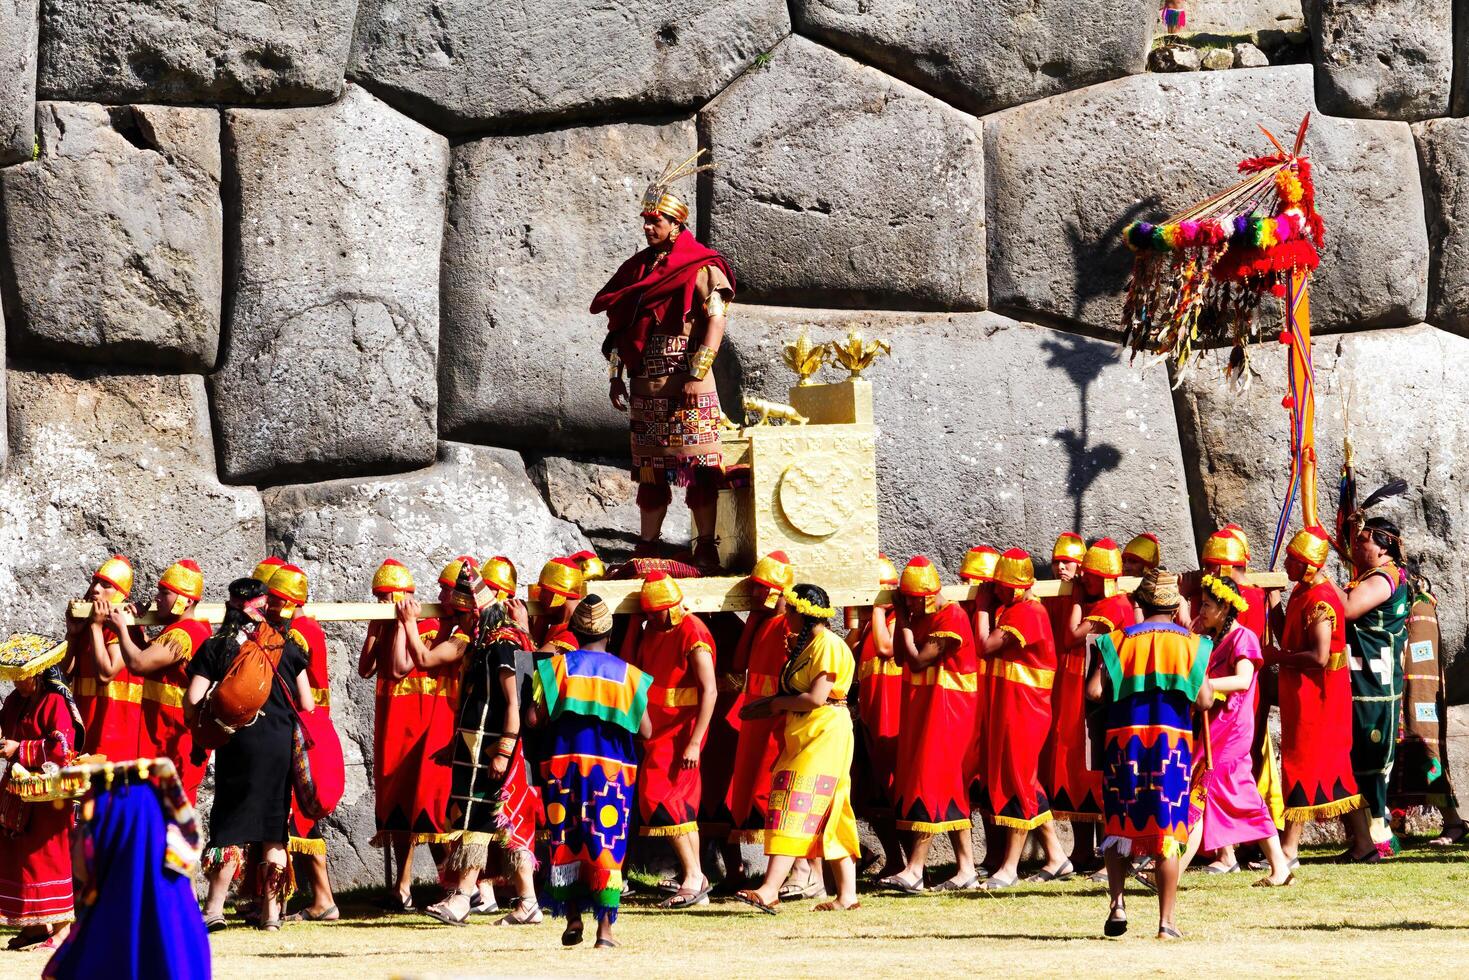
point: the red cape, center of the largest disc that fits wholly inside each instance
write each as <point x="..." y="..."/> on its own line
<point x="641" y="296"/>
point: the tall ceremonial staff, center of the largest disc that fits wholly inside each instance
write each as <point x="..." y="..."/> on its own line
<point x="1198" y="279"/>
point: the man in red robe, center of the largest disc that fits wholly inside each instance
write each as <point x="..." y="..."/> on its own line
<point x="109" y="696"/>
<point x="666" y="311"/>
<point x="880" y="716"/>
<point x="940" y="705"/>
<point x="675" y="648"/>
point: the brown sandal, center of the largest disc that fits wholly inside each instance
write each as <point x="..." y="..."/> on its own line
<point x="753" y="900"/>
<point x="832" y="906"/>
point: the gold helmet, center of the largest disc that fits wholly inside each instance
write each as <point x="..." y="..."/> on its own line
<point x="887" y="572"/>
<point x="266" y="569"/>
<point x="1146" y="549"/>
<point x="1103" y="559"/>
<point x="560" y="579"/>
<point x="289" y="583"/>
<point x="979" y="564"/>
<point x="184" y="578"/>
<point x="117" y="572"/>
<point x="1224" y="548"/>
<point x="499" y="574"/>
<point x="1015" y="570"/>
<point x="659" y="199"/>
<point x="591" y="566"/>
<point x="449" y="577"/>
<point x="920" y="579"/>
<point x="1069" y="547"/>
<point x="775" y="573"/>
<point x="660" y="591"/>
<point x="1311" y="545"/>
<point x="392" y="580"/>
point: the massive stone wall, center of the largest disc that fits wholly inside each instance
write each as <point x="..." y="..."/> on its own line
<point x="314" y="279"/>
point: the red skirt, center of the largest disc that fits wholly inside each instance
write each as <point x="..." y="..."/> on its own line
<point x="413" y="727"/>
<point x="718" y="761"/>
<point x="931" y="787"/>
<point x="1018" y="720"/>
<point x="880" y="710"/>
<point x="35" y="869"/>
<point x="668" y="794"/>
<point x="1316" y="742"/>
<point x="1075" y="790"/>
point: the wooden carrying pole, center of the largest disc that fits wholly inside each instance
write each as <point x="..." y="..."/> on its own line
<point x="701" y="595"/>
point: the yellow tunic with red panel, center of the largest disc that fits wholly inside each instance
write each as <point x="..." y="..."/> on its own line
<point x="1019" y="716"/>
<point x="164" y="734"/>
<point x="308" y="633"/>
<point x="668" y="794"/>
<point x="940" y="704"/>
<point x="111" y="711"/>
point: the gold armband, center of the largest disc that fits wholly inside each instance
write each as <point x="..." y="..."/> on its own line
<point x="715" y="305"/>
<point x="701" y="362"/>
<point x="614" y="366"/>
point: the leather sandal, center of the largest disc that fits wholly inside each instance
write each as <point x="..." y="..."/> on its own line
<point x="753" y="900"/>
<point x="685" y="898"/>
<point x="518" y="916"/>
<point x="834" y="906"/>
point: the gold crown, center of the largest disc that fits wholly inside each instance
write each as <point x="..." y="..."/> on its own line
<point x="979" y="564"/>
<point x="1103" y="559"/>
<point x="563" y="579"/>
<point x="266" y="569"/>
<point x="774" y="571"/>
<point x="659" y="592"/>
<point x="1145" y="549"/>
<point x="184" y="578"/>
<point x="1015" y="570"/>
<point x="887" y="573"/>
<point x="499" y="573"/>
<point x="658" y="199"/>
<point x="392" y="576"/>
<point x="1311" y="545"/>
<point x="117" y="572"/>
<point x="450" y="575"/>
<point x="1225" y="548"/>
<point x="289" y="583"/>
<point x="1069" y="547"/>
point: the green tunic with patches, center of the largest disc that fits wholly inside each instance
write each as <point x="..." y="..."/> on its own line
<point x="1376" y="641"/>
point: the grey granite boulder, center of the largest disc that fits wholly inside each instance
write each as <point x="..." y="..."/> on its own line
<point x="1244" y="16"/>
<point x="114" y="235"/>
<point x="996" y="431"/>
<point x="838" y="185"/>
<point x="1384" y="59"/>
<point x="464" y="66"/>
<point x="472" y="500"/>
<point x="17" y="79"/>
<point x="114" y="464"/>
<point x="983" y="56"/>
<point x="331" y="360"/>
<point x="1247" y="55"/>
<point x="537" y="224"/>
<point x="1443" y="148"/>
<point x="1402" y="389"/>
<point x="1066" y="175"/>
<point x="286" y="52"/>
<point x="1173" y="58"/>
<point x="599" y="498"/>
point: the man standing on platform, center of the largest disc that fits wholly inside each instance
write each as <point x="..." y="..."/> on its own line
<point x="666" y="310"/>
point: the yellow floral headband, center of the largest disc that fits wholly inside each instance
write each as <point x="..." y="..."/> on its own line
<point x="1221" y="591"/>
<point x="807" y="608"/>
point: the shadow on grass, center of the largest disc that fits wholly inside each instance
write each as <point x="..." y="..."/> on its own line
<point x="1372" y="927"/>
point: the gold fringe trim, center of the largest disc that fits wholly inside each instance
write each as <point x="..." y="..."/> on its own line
<point x="307" y="845"/>
<point x="1015" y="823"/>
<point x="1299" y="814"/>
<point x="747" y="836"/>
<point x="925" y="827"/>
<point x="677" y="830"/>
<point x="435" y="838"/>
<point x="1071" y="817"/>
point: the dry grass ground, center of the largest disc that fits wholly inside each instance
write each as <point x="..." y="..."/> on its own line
<point x="1408" y="915"/>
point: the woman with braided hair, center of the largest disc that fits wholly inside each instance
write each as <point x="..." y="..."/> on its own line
<point x="810" y="812"/>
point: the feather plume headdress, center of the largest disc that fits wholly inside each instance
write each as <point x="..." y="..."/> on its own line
<point x="659" y="199"/>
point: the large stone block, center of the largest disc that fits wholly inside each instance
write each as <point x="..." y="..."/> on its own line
<point x="463" y="66"/>
<point x="286" y="52"/>
<point x="114" y="236"/>
<point x="536" y="225"/>
<point x="1403" y="388"/>
<point x="114" y="464"/>
<point x="599" y="498"/>
<point x="1443" y="149"/>
<point x="996" y="431"/>
<point x="17" y="79"/>
<point x="473" y="500"/>
<point x="987" y="56"/>
<point x="1383" y="59"/>
<point x="837" y="184"/>
<point x="1244" y="16"/>
<point x="1066" y="175"/>
<point x="332" y="334"/>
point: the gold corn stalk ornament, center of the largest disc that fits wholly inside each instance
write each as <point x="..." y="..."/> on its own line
<point x="856" y="353"/>
<point x="804" y="357"/>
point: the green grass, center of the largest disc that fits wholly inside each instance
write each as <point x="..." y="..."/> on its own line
<point x="1405" y="915"/>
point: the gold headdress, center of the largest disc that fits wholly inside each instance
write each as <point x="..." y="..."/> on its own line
<point x="117" y="572"/>
<point x="658" y="199"/>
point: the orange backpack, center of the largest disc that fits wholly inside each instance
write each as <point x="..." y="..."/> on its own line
<point x="236" y="701"/>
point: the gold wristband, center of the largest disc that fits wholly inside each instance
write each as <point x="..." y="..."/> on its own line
<point x="715" y="305"/>
<point x="614" y="366"/>
<point x="701" y="362"/>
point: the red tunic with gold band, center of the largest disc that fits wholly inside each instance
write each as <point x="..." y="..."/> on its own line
<point x="413" y="722"/>
<point x="111" y="711"/>
<point x="880" y="710"/>
<point x="163" y="733"/>
<point x="1020" y="681"/>
<point x="720" y="743"/>
<point x="668" y="794"/>
<point x="35" y="838"/>
<point x="759" y="740"/>
<point x="308" y="633"/>
<point x="940" y="704"/>
<point x="1316" y="711"/>
<point x="560" y="637"/>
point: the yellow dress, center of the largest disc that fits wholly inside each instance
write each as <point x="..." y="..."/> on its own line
<point x="810" y="812"/>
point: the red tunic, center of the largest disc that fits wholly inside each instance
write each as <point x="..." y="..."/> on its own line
<point x="1255" y="616"/>
<point x="164" y="734"/>
<point x="112" y="711"/>
<point x="880" y="710"/>
<point x="1075" y="790"/>
<point x="561" y="637"/>
<point x="759" y="741"/>
<point x="668" y="795"/>
<point x="413" y="721"/>
<point x="308" y="633"/>
<point x="35" y="866"/>
<point x="935" y="734"/>
<point x="1316" y="712"/>
<point x="1019" y="718"/>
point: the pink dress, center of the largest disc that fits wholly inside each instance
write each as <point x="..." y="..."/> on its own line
<point x="1233" y="811"/>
